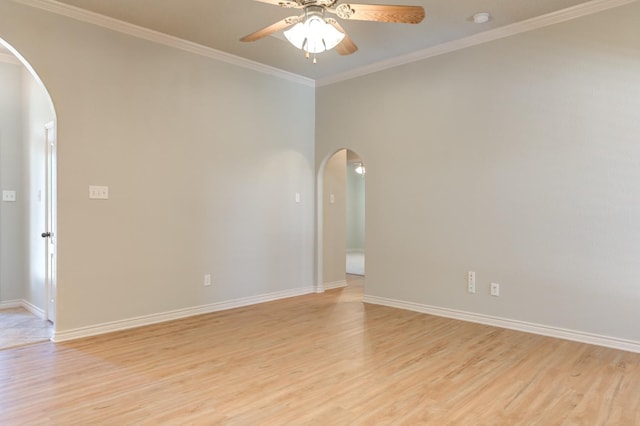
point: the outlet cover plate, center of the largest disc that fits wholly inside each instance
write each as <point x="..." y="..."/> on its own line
<point x="471" y="282"/>
<point x="98" y="192"/>
<point x="9" y="196"/>
<point x="495" y="289"/>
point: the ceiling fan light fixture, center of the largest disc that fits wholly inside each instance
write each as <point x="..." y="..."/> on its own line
<point x="314" y="35"/>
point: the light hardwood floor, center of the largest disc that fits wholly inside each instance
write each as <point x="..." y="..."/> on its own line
<point x="325" y="359"/>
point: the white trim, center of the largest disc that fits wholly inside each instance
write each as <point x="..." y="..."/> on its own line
<point x="8" y="58"/>
<point x="32" y="308"/>
<point x="552" y="18"/>
<point x="21" y="303"/>
<point x="335" y="284"/>
<point x="544" y="330"/>
<point x="103" y="21"/>
<point x="78" y="333"/>
<point x="10" y="304"/>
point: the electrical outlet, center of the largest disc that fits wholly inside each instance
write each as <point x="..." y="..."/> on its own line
<point x="471" y="282"/>
<point x="9" y="196"/>
<point x="98" y="192"/>
<point x="495" y="289"/>
<point x="207" y="280"/>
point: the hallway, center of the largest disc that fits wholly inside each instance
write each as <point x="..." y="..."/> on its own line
<point x="19" y="327"/>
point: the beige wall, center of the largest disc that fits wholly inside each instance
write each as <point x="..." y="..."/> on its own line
<point x="12" y="224"/>
<point x="518" y="159"/>
<point x="334" y="218"/>
<point x="202" y="166"/>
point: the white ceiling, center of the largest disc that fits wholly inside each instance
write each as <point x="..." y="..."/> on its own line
<point x="219" y="24"/>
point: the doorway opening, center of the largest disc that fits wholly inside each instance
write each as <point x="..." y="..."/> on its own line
<point x="355" y="202"/>
<point x="341" y="220"/>
<point x="28" y="206"/>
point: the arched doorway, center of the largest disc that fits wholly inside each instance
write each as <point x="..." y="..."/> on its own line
<point x="27" y="209"/>
<point x="341" y="216"/>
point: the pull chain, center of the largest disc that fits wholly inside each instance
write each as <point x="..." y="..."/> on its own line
<point x="306" y="56"/>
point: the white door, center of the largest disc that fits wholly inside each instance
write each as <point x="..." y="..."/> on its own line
<point x="49" y="234"/>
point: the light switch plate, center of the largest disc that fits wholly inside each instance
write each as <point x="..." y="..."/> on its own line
<point x="98" y="192"/>
<point x="9" y="196"/>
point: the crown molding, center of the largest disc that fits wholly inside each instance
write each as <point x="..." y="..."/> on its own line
<point x="552" y="18"/>
<point x="161" y="38"/>
<point x="103" y="21"/>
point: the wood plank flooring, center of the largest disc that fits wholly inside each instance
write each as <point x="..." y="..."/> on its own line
<point x="322" y="359"/>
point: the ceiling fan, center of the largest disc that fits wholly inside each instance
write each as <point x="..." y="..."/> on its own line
<point x="314" y="33"/>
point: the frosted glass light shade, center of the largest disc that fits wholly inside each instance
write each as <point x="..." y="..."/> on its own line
<point x="314" y="35"/>
<point x="296" y="35"/>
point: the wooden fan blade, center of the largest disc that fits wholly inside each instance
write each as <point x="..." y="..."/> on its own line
<point x="346" y="46"/>
<point x="288" y="4"/>
<point x="280" y="25"/>
<point x="380" y="13"/>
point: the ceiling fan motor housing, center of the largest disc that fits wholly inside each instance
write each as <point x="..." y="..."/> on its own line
<point x="313" y="10"/>
<point x="322" y="3"/>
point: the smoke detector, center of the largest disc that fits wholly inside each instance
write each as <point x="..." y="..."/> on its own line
<point x="481" y="17"/>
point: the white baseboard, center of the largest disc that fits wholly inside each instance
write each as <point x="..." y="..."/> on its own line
<point x="21" y="303"/>
<point x="355" y="250"/>
<point x="544" y="330"/>
<point x="335" y="284"/>
<point x="10" y="304"/>
<point x="78" y="333"/>
<point x="33" y="309"/>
